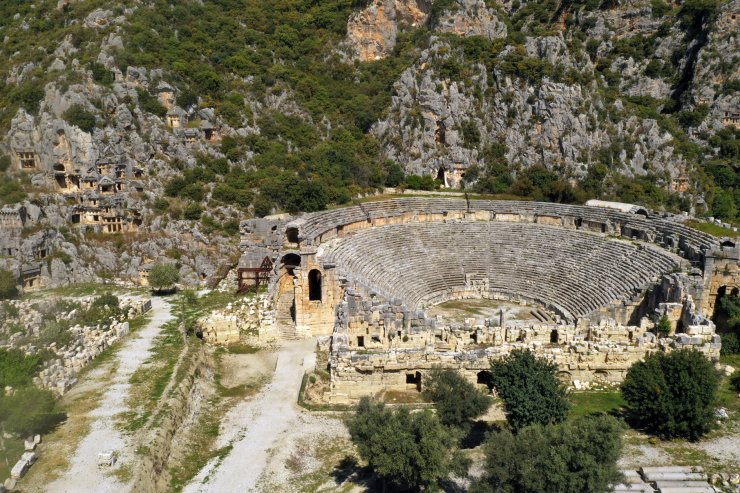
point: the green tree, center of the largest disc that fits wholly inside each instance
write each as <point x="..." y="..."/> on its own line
<point x="530" y="390"/>
<point x="413" y="450"/>
<point x="8" y="287"/>
<point x="671" y="394"/>
<point x="577" y="455"/>
<point x="456" y="399"/>
<point x="163" y="276"/>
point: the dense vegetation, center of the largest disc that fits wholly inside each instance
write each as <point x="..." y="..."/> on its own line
<point x="238" y="56"/>
<point x="578" y="455"/>
<point x="531" y="392"/>
<point x="672" y="394"/>
<point x="727" y="318"/>
<point x="422" y="450"/>
<point x="457" y="401"/>
<point x="410" y="450"/>
<point x="8" y="286"/>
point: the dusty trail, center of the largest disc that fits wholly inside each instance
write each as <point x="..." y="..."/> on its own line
<point x="83" y="473"/>
<point x="254" y="427"/>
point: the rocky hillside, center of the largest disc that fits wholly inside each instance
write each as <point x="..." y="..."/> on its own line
<point x="137" y="131"/>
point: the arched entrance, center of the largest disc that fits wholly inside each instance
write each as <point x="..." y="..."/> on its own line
<point x="485" y="377"/>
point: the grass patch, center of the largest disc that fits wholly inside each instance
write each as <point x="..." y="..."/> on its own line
<point x="123" y="472"/>
<point x="200" y="442"/>
<point x="241" y="349"/>
<point x="149" y="381"/>
<point x="85" y="289"/>
<point x="712" y="229"/>
<point x="587" y="403"/>
<point x="11" y="450"/>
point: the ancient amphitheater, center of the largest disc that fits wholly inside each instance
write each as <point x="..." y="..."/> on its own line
<point x="591" y="281"/>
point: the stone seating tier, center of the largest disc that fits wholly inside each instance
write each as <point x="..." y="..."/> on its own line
<point x="315" y="228"/>
<point x="570" y="271"/>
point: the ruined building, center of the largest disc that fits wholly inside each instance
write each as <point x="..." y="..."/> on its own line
<point x="596" y="278"/>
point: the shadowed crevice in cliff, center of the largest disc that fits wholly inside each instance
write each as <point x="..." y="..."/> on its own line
<point x="698" y="19"/>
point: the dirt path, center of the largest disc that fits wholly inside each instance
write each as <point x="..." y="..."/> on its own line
<point x="255" y="426"/>
<point x="83" y="473"/>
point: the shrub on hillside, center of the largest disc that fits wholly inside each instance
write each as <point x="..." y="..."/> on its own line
<point x="77" y="115"/>
<point x="29" y="411"/>
<point x="17" y="369"/>
<point x="672" y="394"/>
<point x="8" y="287"/>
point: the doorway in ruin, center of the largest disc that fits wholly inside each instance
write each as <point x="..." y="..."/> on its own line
<point x="554" y="336"/>
<point x="314" y="285"/>
<point x="413" y="381"/>
<point x="485" y="377"/>
<point x="441" y="176"/>
<point x="726" y="300"/>
<point x="285" y="306"/>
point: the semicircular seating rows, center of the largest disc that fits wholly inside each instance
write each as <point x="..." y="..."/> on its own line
<point x="665" y="232"/>
<point x="570" y="271"/>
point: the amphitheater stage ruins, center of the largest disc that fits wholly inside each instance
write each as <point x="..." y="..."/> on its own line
<point x="592" y="281"/>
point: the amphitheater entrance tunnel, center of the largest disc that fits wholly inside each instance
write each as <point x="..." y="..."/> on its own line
<point x="485" y="377"/>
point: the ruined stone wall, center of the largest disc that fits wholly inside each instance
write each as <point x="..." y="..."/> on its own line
<point x="721" y="274"/>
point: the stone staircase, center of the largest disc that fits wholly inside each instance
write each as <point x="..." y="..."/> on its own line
<point x="283" y="319"/>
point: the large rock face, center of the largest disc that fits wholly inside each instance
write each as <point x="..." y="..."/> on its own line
<point x="371" y="32"/>
<point x="551" y="123"/>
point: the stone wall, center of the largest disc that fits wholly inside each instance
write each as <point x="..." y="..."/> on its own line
<point x="250" y="320"/>
<point x="59" y="374"/>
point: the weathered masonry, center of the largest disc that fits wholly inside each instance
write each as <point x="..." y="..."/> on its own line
<point x="365" y="275"/>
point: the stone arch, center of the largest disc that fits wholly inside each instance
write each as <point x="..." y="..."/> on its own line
<point x="601" y="376"/>
<point x="564" y="376"/>
<point x="314" y="285"/>
<point x="290" y="261"/>
<point x="484" y="377"/>
<point x="641" y="212"/>
<point x="291" y="235"/>
<point x="727" y="243"/>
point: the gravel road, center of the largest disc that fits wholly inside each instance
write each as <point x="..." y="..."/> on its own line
<point x="84" y="473"/>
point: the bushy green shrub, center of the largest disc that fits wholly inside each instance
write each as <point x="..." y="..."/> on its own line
<point x="102" y="75"/>
<point x="530" y="389"/>
<point x="16" y="368"/>
<point x="163" y="276"/>
<point x="416" y="182"/>
<point x="77" y="115"/>
<point x="457" y="401"/>
<point x="406" y="449"/>
<point x="193" y="212"/>
<point x="29" y="411"/>
<point x="578" y="455"/>
<point x="150" y="103"/>
<point x="672" y="394"/>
